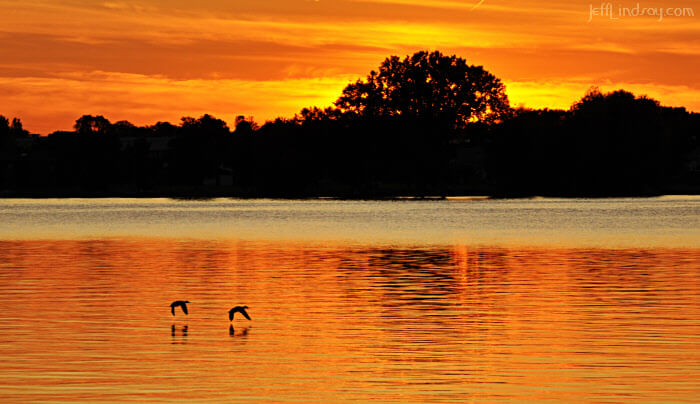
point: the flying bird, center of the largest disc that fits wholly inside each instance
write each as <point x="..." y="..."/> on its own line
<point x="181" y="303"/>
<point x="238" y="309"/>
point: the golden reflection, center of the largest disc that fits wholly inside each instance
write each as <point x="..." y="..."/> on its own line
<point x="348" y="322"/>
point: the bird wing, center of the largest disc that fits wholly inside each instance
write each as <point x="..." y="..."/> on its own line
<point x="244" y="313"/>
<point x="184" y="307"/>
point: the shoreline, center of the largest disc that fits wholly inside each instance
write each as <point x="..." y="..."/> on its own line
<point x="218" y="194"/>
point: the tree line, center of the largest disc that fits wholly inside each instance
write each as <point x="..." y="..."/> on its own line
<point x="424" y="125"/>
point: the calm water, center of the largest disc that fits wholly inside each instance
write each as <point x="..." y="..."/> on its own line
<point x="436" y="301"/>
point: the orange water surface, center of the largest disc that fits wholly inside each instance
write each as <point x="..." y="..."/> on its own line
<point x="87" y="319"/>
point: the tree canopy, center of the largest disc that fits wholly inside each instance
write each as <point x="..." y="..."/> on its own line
<point x="428" y="87"/>
<point x="88" y="124"/>
<point x="427" y="124"/>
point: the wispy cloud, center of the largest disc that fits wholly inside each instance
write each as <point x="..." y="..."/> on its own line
<point x="260" y="51"/>
<point x="50" y="103"/>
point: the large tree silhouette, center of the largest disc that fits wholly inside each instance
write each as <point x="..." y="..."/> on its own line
<point x="428" y="87"/>
<point x="427" y="124"/>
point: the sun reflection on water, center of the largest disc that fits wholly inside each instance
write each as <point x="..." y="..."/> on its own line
<point x="89" y="320"/>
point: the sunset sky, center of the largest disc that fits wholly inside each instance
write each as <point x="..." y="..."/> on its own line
<point x="148" y="61"/>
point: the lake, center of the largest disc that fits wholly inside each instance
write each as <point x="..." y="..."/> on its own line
<point x="539" y="300"/>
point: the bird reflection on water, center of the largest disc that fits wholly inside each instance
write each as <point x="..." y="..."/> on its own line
<point x="242" y="333"/>
<point x="181" y="332"/>
<point x="485" y="322"/>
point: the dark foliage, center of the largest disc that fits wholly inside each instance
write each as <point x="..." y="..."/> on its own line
<point x="428" y="87"/>
<point x="427" y="125"/>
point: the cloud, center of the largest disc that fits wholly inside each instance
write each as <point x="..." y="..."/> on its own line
<point x="225" y="57"/>
<point x="46" y="104"/>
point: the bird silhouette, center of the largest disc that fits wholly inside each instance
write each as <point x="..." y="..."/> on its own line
<point x="181" y="303"/>
<point x="238" y="309"/>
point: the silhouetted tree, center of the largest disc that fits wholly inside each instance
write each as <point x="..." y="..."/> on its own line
<point x="206" y="126"/>
<point x="10" y="131"/>
<point x="199" y="149"/>
<point x="428" y="86"/>
<point x="163" y="129"/>
<point x="125" y="128"/>
<point x="17" y="129"/>
<point x="619" y="143"/>
<point x="96" y="159"/>
<point x="530" y="153"/>
<point x="88" y="124"/>
<point x="4" y="127"/>
<point x="245" y="125"/>
<point x="427" y="124"/>
<point x="606" y="144"/>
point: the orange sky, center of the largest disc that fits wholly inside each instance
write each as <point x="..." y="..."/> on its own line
<point x="146" y="61"/>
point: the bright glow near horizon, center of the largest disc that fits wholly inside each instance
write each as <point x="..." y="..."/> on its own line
<point x="146" y="61"/>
